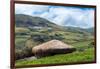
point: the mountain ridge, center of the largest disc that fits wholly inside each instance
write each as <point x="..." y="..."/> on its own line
<point x="23" y="20"/>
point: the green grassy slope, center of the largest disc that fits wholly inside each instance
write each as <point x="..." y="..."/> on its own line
<point x="76" y="57"/>
<point x="26" y="37"/>
<point x="79" y="56"/>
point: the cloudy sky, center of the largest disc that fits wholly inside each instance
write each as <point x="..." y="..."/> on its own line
<point x="65" y="16"/>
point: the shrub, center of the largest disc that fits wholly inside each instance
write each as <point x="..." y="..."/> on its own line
<point x="22" y="53"/>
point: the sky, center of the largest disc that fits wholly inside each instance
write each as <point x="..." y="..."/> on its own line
<point x="61" y="15"/>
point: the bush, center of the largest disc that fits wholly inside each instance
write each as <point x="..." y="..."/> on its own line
<point x="91" y="44"/>
<point x="22" y="53"/>
<point x="22" y="48"/>
<point x="40" y="37"/>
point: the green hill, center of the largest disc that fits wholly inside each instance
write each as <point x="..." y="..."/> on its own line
<point x="27" y="21"/>
<point x="31" y="31"/>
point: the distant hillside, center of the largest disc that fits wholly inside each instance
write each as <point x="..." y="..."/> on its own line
<point x="27" y="21"/>
<point x="22" y="20"/>
<point x="79" y="30"/>
<point x="91" y="30"/>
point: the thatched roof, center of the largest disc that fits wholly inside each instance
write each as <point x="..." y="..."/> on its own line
<point x="53" y="46"/>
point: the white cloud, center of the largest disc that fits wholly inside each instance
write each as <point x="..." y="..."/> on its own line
<point x="69" y="16"/>
<point x="30" y="9"/>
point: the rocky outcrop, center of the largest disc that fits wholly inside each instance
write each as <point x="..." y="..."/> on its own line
<point x="51" y="48"/>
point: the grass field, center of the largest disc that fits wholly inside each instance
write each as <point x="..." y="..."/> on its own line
<point x="86" y="56"/>
<point x="79" y="56"/>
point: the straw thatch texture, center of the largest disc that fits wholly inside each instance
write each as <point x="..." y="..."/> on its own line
<point x="51" y="48"/>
